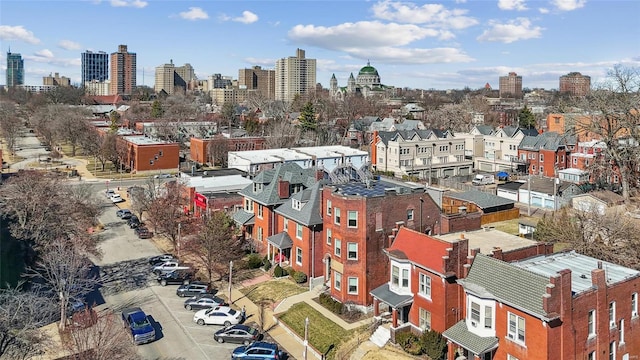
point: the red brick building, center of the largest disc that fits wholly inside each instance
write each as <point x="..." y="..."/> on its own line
<point x="358" y="220"/>
<point x="200" y="147"/>
<point x="546" y="153"/>
<point x="560" y="306"/>
<point x="142" y="153"/>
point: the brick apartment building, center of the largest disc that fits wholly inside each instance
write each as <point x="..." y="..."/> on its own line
<point x="546" y="153"/>
<point x="559" y="306"/>
<point x="358" y="218"/>
<point x="147" y="154"/>
<point x="200" y="146"/>
<point x="421" y="292"/>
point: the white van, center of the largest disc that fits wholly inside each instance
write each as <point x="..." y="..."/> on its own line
<point x="483" y="179"/>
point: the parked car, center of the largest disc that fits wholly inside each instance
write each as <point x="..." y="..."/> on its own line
<point x="133" y="222"/>
<point x="168" y="266"/>
<point x="143" y="232"/>
<point x="124" y="214"/>
<point x="203" y="301"/>
<point x="139" y="327"/>
<point x="116" y="198"/>
<point x="162" y="176"/>
<point x="241" y="334"/>
<point x="220" y="315"/>
<point x="192" y="289"/>
<point x="176" y="277"/>
<point x="258" y="350"/>
<point x="483" y="179"/>
<point x="160" y="259"/>
<point x="110" y="192"/>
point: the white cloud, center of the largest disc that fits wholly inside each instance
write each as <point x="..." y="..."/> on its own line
<point x="129" y="3"/>
<point x="247" y="17"/>
<point x="365" y="34"/>
<point x="428" y="14"/>
<point x="69" y="45"/>
<point x="194" y="13"/>
<point x="518" y="5"/>
<point x="19" y="33"/>
<point x="568" y="5"/>
<point x="543" y="10"/>
<point x="45" y="53"/>
<point x="261" y="61"/>
<point x="514" y="30"/>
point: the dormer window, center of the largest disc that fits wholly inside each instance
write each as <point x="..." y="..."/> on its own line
<point x="296" y="204"/>
<point x="257" y="187"/>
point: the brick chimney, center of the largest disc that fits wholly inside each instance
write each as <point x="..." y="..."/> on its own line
<point x="319" y="174"/>
<point x="497" y="253"/>
<point x="283" y="189"/>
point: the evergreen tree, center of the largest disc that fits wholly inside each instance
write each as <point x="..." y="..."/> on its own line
<point x="156" y="110"/>
<point x="307" y="118"/>
<point x="526" y="119"/>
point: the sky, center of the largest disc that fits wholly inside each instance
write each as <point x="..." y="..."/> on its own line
<point x="421" y="45"/>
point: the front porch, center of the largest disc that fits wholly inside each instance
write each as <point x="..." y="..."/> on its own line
<point x="279" y="249"/>
<point x="392" y="309"/>
<point x="462" y="344"/>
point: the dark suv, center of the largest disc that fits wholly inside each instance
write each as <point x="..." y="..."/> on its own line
<point x="258" y="350"/>
<point x="194" y="288"/>
<point x="176" y="277"/>
<point x="133" y="222"/>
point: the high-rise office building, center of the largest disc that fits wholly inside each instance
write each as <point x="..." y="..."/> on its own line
<point x="575" y="84"/>
<point x="123" y="71"/>
<point x="511" y="86"/>
<point x="95" y="66"/>
<point x="172" y="79"/>
<point x="295" y="75"/>
<point x="15" y="69"/>
<point x="261" y="80"/>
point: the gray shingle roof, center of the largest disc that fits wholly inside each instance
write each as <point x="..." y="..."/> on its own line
<point x="281" y="240"/>
<point x="309" y="214"/>
<point x="484" y="129"/>
<point x="389" y="297"/>
<point x="547" y="141"/>
<point x="482" y="199"/>
<point x="478" y="345"/>
<point x="290" y="172"/>
<point x="507" y="283"/>
<point x="243" y="218"/>
<point x="386" y="136"/>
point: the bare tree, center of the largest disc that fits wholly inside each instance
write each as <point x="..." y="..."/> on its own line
<point x="282" y="134"/>
<point x="22" y="314"/>
<point x="215" y="244"/>
<point x="218" y="150"/>
<point x="99" y="336"/>
<point x="71" y="126"/>
<point x="615" y="119"/>
<point x="166" y="211"/>
<point x="10" y="124"/>
<point x="66" y="272"/>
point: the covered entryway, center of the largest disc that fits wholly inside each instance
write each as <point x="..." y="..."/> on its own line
<point x="397" y="305"/>
<point x="463" y="344"/>
<point x="279" y="248"/>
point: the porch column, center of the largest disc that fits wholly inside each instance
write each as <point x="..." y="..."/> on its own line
<point x="476" y="357"/>
<point x="451" y="350"/>
<point x="268" y="251"/>
<point x="376" y="307"/>
<point x="394" y="317"/>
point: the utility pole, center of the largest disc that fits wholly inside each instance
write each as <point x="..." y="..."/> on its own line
<point x="230" y="276"/>
<point x="179" y="238"/>
<point x="421" y="202"/>
<point x="306" y="338"/>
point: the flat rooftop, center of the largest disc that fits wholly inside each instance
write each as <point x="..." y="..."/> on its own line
<point x="488" y="240"/>
<point x="580" y="266"/>
<point x="376" y="188"/>
<point x="145" y="140"/>
<point x="270" y="155"/>
<point x="334" y="151"/>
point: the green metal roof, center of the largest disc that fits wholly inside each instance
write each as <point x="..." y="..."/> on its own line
<point x="478" y="345"/>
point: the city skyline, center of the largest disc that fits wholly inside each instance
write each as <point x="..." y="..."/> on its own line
<point x="440" y="45"/>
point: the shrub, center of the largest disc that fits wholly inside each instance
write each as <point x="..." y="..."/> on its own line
<point x="299" y="277"/>
<point x="333" y="305"/>
<point x="290" y="271"/>
<point x="433" y="344"/>
<point x="278" y="271"/>
<point x="409" y="343"/>
<point x="267" y="266"/>
<point x="254" y="261"/>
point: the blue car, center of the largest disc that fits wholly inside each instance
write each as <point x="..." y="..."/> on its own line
<point x="259" y="350"/>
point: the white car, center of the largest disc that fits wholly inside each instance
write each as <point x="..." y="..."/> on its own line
<point x="116" y="198"/>
<point x="168" y="266"/>
<point x="110" y="193"/>
<point x="220" y="315"/>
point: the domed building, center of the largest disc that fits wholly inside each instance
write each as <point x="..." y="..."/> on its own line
<point x="367" y="83"/>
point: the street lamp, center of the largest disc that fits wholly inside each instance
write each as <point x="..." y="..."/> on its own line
<point x="421" y="203"/>
<point x="306" y="337"/>
<point x="230" y="276"/>
<point x="179" y="237"/>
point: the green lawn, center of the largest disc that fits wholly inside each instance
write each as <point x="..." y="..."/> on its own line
<point x="272" y="291"/>
<point x="324" y="334"/>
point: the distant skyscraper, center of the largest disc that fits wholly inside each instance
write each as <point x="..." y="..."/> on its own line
<point x="123" y="71"/>
<point x="15" y="69"/>
<point x="56" y="80"/>
<point x="575" y="84"/>
<point x="511" y="86"/>
<point x="171" y="78"/>
<point x="295" y="75"/>
<point x="255" y="78"/>
<point x="95" y="66"/>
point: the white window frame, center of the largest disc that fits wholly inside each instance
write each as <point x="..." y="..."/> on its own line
<point x="634" y="305"/>
<point x="409" y="214"/>
<point x="260" y="211"/>
<point x="337" y="281"/>
<point x="424" y="319"/>
<point x="337" y="247"/>
<point x="349" y="291"/>
<point x="349" y="251"/>
<point x="612" y="350"/>
<point x="474" y="314"/>
<point x="488" y="317"/>
<point x="404" y="282"/>
<point x="259" y="233"/>
<point x="424" y="285"/>
<point x="511" y="357"/>
<point x="328" y="236"/>
<point x="299" y="231"/>
<point x="336" y="216"/>
<point x="591" y="323"/>
<point x="298" y="256"/>
<point x="285" y="224"/>
<point x="591" y="356"/>
<point x="612" y="314"/>
<point x="354" y="214"/>
<point x="621" y="331"/>
<point x="395" y="276"/>
<point x="519" y="326"/>
<point x="329" y="207"/>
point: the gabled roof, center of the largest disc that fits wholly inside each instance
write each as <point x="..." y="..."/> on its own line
<point x="522" y="289"/>
<point x="290" y="172"/>
<point x="410" y="245"/>
<point x="484" y="129"/>
<point x="309" y="214"/>
<point x="408" y="125"/>
<point x="482" y="199"/>
<point x="548" y="141"/>
<point x="423" y="134"/>
<point x="281" y="240"/>
<point x="478" y="345"/>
